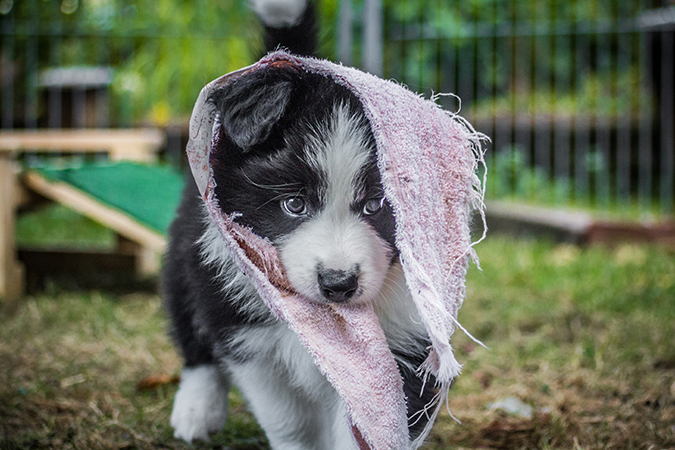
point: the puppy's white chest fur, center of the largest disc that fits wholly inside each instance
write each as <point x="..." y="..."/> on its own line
<point x="291" y="399"/>
<point x="279" y="351"/>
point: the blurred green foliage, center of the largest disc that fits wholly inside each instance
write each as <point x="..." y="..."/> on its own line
<point x="610" y="94"/>
<point x="163" y="52"/>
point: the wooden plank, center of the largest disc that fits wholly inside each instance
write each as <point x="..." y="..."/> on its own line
<point x="575" y="223"/>
<point x="613" y="233"/>
<point x="11" y="271"/>
<point x="88" y="206"/>
<point x="573" y="226"/>
<point x="136" y="144"/>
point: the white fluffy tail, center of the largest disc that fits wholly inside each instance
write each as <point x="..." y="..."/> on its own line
<point x="279" y="13"/>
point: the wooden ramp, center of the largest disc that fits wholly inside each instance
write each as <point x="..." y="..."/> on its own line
<point x="136" y="201"/>
<point x="127" y="192"/>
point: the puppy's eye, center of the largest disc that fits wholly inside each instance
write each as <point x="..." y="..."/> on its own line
<point x="294" y="206"/>
<point x="373" y="206"/>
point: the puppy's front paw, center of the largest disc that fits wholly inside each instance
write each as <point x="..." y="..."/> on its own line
<point x="200" y="406"/>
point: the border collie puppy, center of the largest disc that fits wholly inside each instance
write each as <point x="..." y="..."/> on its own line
<point x="299" y="166"/>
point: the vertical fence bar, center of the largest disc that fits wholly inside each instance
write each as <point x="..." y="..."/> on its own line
<point x="501" y="127"/>
<point x="602" y="159"/>
<point x="55" y="93"/>
<point x="344" y="40"/>
<point x="582" y="115"/>
<point x="561" y="86"/>
<point x="474" y="74"/>
<point x="448" y="72"/>
<point x="453" y="41"/>
<point x="79" y="107"/>
<point x="31" y="108"/>
<point x="484" y="79"/>
<point x="388" y="40"/>
<point x="542" y="86"/>
<point x="522" y="87"/>
<point x="528" y="31"/>
<point x="9" y="77"/>
<point x="372" y="37"/>
<point x="31" y="77"/>
<point x="127" y="103"/>
<point x="103" y="51"/>
<point x="513" y="83"/>
<point x="408" y="69"/>
<point x="667" y="121"/>
<point x="645" y="143"/>
<point x="623" y="115"/>
<point x="466" y="64"/>
<point x="403" y="26"/>
<point x="127" y="48"/>
<point x="415" y="64"/>
<point x="79" y="94"/>
<point x="421" y="56"/>
<point x="438" y="52"/>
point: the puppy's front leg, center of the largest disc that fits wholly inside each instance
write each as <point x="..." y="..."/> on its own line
<point x="200" y="406"/>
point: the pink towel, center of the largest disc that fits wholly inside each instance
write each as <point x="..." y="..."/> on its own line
<point x="428" y="160"/>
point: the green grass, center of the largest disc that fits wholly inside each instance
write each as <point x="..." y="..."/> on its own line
<point x="585" y="336"/>
<point x="55" y="226"/>
<point x="71" y="364"/>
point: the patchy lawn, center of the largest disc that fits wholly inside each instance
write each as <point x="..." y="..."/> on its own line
<point x="584" y="337"/>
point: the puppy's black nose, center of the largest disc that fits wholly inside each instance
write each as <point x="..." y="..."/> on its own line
<point x="338" y="285"/>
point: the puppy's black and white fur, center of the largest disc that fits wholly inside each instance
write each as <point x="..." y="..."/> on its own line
<point x="297" y="161"/>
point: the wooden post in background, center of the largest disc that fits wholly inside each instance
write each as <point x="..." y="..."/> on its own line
<point x="11" y="271"/>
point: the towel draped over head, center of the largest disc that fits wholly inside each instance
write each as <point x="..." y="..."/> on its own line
<point x="428" y="160"/>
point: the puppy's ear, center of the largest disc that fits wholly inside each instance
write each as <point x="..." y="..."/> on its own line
<point x="252" y="105"/>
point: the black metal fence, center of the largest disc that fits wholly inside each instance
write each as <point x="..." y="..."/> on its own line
<point x="576" y="95"/>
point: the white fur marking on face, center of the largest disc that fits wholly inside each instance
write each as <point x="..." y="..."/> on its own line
<point x="340" y="151"/>
<point x="200" y="406"/>
<point x="337" y="238"/>
<point x="279" y="13"/>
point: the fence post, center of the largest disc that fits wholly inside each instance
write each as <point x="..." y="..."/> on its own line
<point x="372" y="37"/>
<point x="667" y="103"/>
<point x="345" y="35"/>
<point x="11" y="270"/>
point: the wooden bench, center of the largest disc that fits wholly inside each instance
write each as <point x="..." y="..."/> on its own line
<point x="141" y="145"/>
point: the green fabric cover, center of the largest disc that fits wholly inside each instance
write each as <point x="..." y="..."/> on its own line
<point x="149" y="193"/>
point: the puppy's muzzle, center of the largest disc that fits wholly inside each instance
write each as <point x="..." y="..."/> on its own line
<point x="338" y="285"/>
